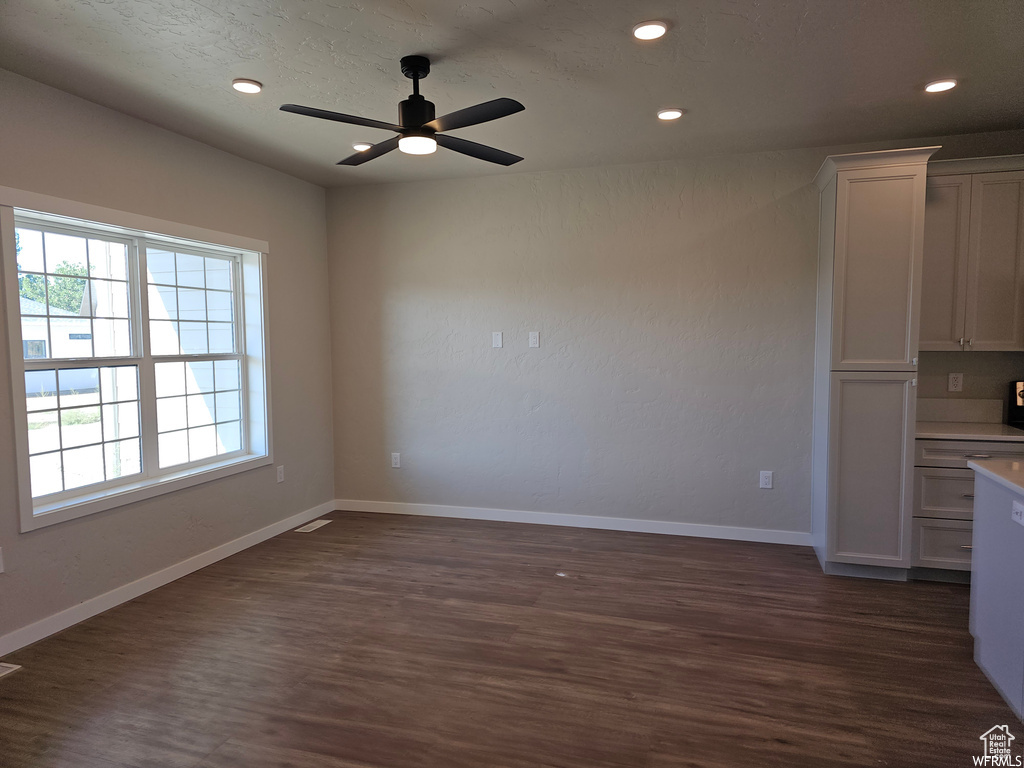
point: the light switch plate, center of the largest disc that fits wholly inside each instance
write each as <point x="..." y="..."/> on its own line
<point x="1018" y="513"/>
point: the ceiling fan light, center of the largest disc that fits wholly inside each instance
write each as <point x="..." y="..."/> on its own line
<point x="670" y="114"/>
<point x="361" y="146"/>
<point x="244" y="85"/>
<point x="649" y="30"/>
<point x="417" y="145"/>
<point x="938" y="86"/>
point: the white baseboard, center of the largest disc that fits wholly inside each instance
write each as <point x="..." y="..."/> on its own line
<point x="19" y="638"/>
<point x="731" y="533"/>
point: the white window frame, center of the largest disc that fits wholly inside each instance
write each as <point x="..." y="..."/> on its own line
<point x="251" y="344"/>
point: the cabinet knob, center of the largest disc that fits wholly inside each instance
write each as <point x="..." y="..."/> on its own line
<point x="961" y="341"/>
<point x="970" y="342"/>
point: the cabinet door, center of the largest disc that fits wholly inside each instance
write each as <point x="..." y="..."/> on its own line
<point x="879" y="247"/>
<point x="946" y="494"/>
<point x="870" y="468"/>
<point x="944" y="269"/>
<point x="995" y="283"/>
<point x="942" y="544"/>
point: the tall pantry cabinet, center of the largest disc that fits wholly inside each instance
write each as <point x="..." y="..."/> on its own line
<point x="870" y="251"/>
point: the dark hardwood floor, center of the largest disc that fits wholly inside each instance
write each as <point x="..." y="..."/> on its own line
<point x="386" y="641"/>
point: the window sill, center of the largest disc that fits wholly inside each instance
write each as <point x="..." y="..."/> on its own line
<point x="91" y="503"/>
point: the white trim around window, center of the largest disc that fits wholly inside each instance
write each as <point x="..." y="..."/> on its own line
<point x="250" y="352"/>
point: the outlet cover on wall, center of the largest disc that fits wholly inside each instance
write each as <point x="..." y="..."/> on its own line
<point x="766" y="479"/>
<point x="280" y="473"/>
<point x="956" y="382"/>
<point x="496" y="339"/>
<point x="396" y="460"/>
<point x="534" y="339"/>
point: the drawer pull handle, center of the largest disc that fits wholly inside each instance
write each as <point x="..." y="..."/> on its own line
<point x="966" y="546"/>
<point x="968" y="496"/>
<point x="978" y="456"/>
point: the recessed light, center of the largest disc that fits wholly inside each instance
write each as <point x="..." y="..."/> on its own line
<point x="361" y="146"/>
<point x="670" y="114"/>
<point x="649" y="30"/>
<point x="242" y="85"/>
<point x="940" y="85"/>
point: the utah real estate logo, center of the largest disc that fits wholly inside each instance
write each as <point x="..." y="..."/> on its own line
<point x="998" y="740"/>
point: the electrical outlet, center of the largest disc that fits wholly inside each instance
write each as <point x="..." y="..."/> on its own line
<point x="534" y="339"/>
<point x="280" y="474"/>
<point x="1017" y="514"/>
<point x="396" y="460"/>
<point x="956" y="382"/>
<point x="496" y="339"/>
<point x="766" y="479"/>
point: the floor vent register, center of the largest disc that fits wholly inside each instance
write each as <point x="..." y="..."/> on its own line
<point x="308" y="527"/>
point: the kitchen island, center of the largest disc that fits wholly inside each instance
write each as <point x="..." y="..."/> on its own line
<point x="997" y="576"/>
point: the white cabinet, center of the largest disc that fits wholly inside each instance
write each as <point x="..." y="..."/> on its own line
<point x="944" y="271"/>
<point x="870" y="251"/>
<point x="973" y="272"/>
<point x="870" y="467"/>
<point x="876" y="284"/>
<point x="944" y="498"/>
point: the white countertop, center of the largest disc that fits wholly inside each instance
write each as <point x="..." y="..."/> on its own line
<point x="1007" y="472"/>
<point x="967" y="430"/>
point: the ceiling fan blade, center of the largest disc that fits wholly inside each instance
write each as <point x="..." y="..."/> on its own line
<point x="323" y="114"/>
<point x="481" y="113"/>
<point x="368" y="154"/>
<point x="471" y="148"/>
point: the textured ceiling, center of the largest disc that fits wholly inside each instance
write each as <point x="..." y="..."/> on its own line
<point x="752" y="75"/>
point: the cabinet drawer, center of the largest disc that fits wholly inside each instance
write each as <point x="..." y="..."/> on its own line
<point x="942" y="544"/>
<point x="954" y="454"/>
<point x="944" y="493"/>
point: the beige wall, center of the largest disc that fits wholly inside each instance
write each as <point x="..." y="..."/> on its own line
<point x="675" y="304"/>
<point x="56" y="144"/>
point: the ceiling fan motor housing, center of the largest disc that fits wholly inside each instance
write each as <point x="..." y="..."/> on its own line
<point x="415" y="111"/>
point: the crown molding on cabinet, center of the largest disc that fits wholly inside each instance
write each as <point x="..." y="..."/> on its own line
<point x="976" y="165"/>
<point x="874" y="160"/>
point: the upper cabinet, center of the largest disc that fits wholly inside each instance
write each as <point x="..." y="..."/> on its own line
<point x="872" y="248"/>
<point x="973" y="274"/>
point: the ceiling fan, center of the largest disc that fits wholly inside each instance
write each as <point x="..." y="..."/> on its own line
<point x="419" y="132"/>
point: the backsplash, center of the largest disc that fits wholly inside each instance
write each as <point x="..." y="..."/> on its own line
<point x="987" y="375"/>
<point x="973" y="411"/>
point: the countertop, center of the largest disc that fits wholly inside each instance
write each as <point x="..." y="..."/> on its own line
<point x="967" y="430"/>
<point x="1007" y="472"/>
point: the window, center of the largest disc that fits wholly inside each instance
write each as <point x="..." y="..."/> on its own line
<point x="142" y="363"/>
